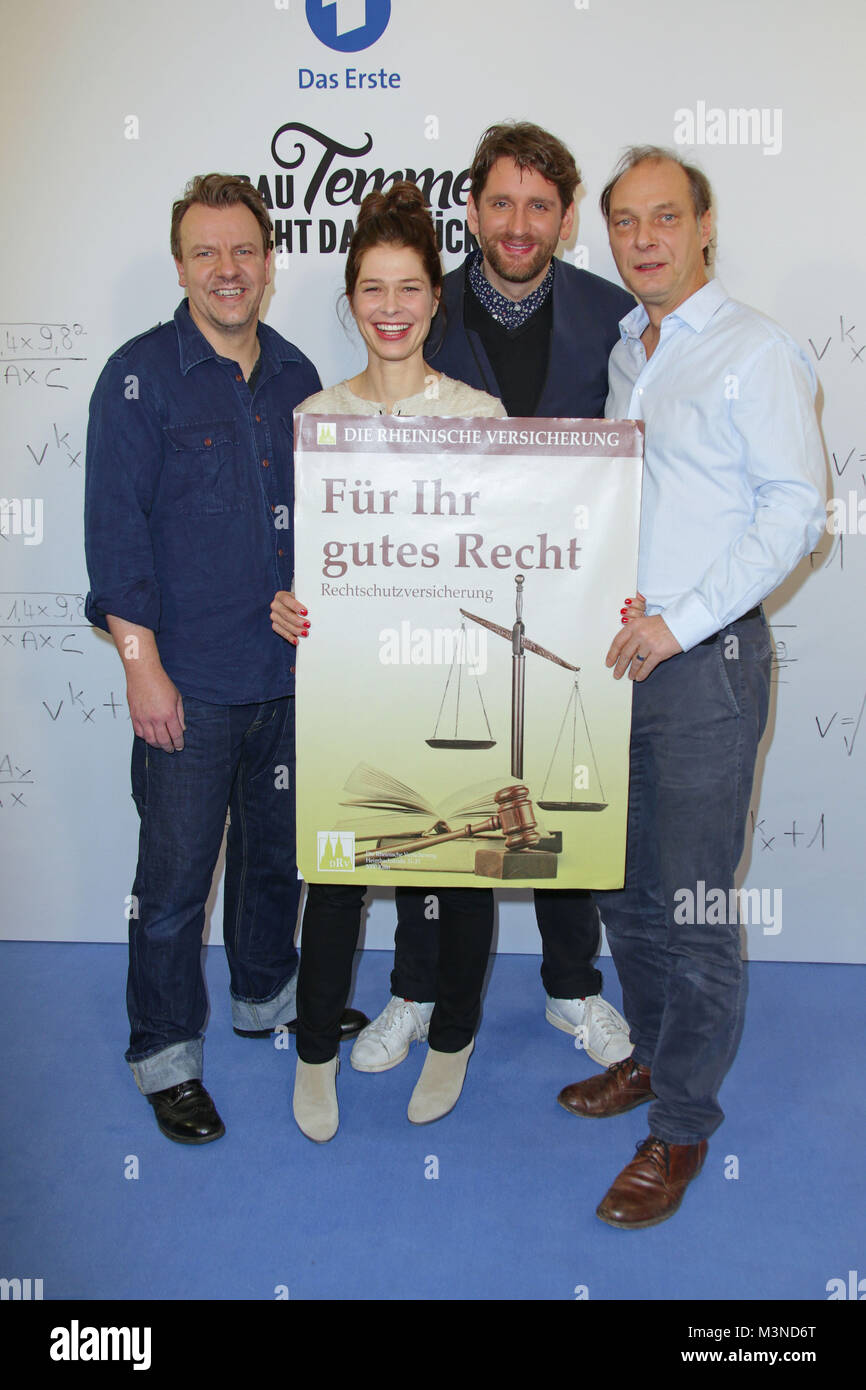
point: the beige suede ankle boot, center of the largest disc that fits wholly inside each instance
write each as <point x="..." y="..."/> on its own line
<point x="439" y="1085"/>
<point x="315" y="1099"/>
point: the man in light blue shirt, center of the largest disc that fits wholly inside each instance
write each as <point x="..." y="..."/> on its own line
<point x="733" y="497"/>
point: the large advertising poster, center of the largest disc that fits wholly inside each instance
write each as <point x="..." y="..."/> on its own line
<point x="457" y="724"/>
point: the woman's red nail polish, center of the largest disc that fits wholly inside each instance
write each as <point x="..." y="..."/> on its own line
<point x="628" y="601"/>
<point x="306" y="624"/>
<point x="304" y="611"/>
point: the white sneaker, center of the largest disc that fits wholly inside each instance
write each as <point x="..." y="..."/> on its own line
<point x="601" y="1030"/>
<point x="384" y="1043"/>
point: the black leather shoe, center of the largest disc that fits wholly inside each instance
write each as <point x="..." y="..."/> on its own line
<point x="186" y="1114"/>
<point x="351" y="1024"/>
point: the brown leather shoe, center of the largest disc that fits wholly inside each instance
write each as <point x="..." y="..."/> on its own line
<point x="651" y="1187"/>
<point x="612" y="1092"/>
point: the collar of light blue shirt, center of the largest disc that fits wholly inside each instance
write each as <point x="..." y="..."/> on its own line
<point x="696" y="311"/>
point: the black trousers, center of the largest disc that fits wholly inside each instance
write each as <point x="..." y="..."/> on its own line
<point x="570" y="935"/>
<point x="332" y="922"/>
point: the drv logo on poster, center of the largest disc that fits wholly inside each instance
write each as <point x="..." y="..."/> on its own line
<point x="348" y="25"/>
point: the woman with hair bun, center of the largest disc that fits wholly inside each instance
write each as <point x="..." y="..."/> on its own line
<point x="393" y="285"/>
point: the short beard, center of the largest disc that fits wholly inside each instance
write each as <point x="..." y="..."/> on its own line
<point x="490" y="251"/>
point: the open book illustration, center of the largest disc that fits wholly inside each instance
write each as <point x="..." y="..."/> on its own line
<point x="447" y="836"/>
<point x="401" y="810"/>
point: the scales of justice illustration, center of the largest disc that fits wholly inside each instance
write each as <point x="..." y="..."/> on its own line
<point x="508" y="843"/>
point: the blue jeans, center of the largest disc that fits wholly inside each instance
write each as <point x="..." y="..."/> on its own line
<point x="696" y="724"/>
<point x="239" y="758"/>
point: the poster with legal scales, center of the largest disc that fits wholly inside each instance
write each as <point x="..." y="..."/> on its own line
<point x="456" y="722"/>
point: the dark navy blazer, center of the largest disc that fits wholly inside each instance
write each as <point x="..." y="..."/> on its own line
<point x="586" y="314"/>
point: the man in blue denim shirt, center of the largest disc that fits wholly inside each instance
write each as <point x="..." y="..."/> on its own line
<point x="188" y="521"/>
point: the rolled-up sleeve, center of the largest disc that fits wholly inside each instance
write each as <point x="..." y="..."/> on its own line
<point x="123" y="465"/>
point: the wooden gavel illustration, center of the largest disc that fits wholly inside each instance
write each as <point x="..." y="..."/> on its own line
<point x="515" y="818"/>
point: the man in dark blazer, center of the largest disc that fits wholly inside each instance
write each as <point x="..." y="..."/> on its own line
<point x="536" y="332"/>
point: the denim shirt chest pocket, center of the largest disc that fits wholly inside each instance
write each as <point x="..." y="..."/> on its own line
<point x="203" y="472"/>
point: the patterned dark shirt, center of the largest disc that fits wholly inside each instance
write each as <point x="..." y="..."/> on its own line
<point x="506" y="311"/>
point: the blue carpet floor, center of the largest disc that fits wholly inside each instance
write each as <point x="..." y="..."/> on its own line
<point x="510" y="1214"/>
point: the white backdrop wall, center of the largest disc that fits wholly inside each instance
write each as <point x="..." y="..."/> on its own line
<point x="108" y="106"/>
